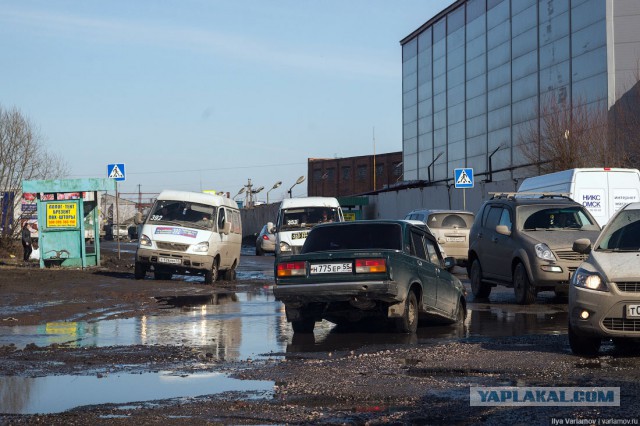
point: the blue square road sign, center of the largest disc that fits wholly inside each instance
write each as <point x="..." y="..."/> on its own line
<point x="116" y="172"/>
<point x="463" y="177"/>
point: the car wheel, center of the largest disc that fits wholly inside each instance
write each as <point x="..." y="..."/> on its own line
<point x="524" y="291"/>
<point x="408" y="323"/>
<point x="479" y="289"/>
<point x="139" y="271"/>
<point x="583" y="345"/>
<point x="230" y="274"/>
<point x="259" y="251"/>
<point x="162" y="275"/>
<point x="211" y="275"/>
<point x="303" y="326"/>
<point x="627" y="346"/>
<point x="460" y="314"/>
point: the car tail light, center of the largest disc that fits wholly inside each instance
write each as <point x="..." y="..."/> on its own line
<point x="289" y="269"/>
<point x="264" y="237"/>
<point x="370" y="265"/>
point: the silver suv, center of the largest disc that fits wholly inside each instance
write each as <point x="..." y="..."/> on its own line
<point x="525" y="242"/>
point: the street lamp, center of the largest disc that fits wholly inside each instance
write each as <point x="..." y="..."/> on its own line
<point x="490" y="177"/>
<point x="429" y="167"/>
<point x="275" y="185"/>
<point x="300" y="180"/>
<point x="239" y="192"/>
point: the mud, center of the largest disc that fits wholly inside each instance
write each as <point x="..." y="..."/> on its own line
<point x="405" y="383"/>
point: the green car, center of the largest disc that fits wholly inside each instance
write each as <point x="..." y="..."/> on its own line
<point x="350" y="271"/>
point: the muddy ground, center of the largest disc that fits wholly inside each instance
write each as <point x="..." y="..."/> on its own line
<point x="423" y="384"/>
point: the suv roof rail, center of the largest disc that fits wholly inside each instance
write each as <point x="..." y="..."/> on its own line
<point x="512" y="195"/>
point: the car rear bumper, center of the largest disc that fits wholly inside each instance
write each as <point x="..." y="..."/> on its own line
<point x="387" y="291"/>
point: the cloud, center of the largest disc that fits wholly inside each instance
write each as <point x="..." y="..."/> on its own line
<point x="232" y="46"/>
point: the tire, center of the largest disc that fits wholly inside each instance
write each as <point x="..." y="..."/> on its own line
<point x="230" y="274"/>
<point x="627" y="346"/>
<point x="583" y="345"/>
<point x="211" y="275"/>
<point x="139" y="271"/>
<point x="479" y="289"/>
<point x="524" y="291"/>
<point x="303" y="325"/>
<point x="408" y="323"/>
<point x="460" y="314"/>
<point x="259" y="251"/>
<point x="166" y="276"/>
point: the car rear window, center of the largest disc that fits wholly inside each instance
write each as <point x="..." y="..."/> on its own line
<point x="354" y="237"/>
<point x="450" y="220"/>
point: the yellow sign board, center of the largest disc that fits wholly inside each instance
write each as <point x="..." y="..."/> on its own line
<point x="62" y="215"/>
<point x="349" y="216"/>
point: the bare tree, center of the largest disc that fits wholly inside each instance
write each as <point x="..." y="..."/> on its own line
<point x="574" y="136"/>
<point x="22" y="157"/>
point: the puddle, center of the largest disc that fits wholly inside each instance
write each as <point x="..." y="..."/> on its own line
<point x="231" y="326"/>
<point x="54" y="394"/>
<point x="505" y="321"/>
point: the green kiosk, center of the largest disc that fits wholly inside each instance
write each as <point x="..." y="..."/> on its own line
<point x="63" y="220"/>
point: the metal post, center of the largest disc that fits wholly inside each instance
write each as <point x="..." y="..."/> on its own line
<point x="117" y="221"/>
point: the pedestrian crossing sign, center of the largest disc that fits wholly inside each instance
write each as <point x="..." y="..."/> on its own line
<point x="116" y="172"/>
<point x="463" y="177"/>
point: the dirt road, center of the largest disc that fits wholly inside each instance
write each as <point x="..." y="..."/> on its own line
<point x="398" y="384"/>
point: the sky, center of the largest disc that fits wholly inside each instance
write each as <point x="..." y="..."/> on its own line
<point x="204" y="94"/>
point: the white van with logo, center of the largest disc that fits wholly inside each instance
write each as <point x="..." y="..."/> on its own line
<point x="190" y="233"/>
<point x="603" y="191"/>
<point x="297" y="216"/>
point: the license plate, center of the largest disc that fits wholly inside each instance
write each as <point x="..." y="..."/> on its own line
<point x="331" y="268"/>
<point x="299" y="235"/>
<point x="633" y="311"/>
<point x="169" y="260"/>
<point x="455" y="239"/>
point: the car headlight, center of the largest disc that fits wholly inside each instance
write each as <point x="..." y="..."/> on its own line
<point x="145" y="241"/>
<point x="284" y="246"/>
<point x="588" y="279"/>
<point x="544" y="252"/>
<point x="202" y="247"/>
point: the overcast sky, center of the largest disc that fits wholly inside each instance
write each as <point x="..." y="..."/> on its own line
<point x="204" y="94"/>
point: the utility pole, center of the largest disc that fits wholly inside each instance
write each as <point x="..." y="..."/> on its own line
<point x="374" y="158"/>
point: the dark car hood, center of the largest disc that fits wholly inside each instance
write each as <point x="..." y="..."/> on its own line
<point x="561" y="238"/>
<point x="616" y="266"/>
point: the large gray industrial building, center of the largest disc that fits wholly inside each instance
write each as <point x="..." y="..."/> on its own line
<point x="478" y="73"/>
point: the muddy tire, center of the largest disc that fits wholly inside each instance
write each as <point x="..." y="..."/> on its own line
<point x="460" y="314"/>
<point x="229" y="274"/>
<point x="211" y="275"/>
<point x="408" y="323"/>
<point x="479" y="289"/>
<point x="583" y="345"/>
<point x="303" y="326"/>
<point x="165" y="276"/>
<point x="139" y="271"/>
<point x="525" y="293"/>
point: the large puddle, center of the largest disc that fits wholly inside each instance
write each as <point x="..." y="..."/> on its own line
<point x="54" y="394"/>
<point x="231" y="327"/>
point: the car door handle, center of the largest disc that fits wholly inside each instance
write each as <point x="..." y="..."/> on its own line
<point x="479" y="234"/>
<point x="494" y="239"/>
<point x="419" y="263"/>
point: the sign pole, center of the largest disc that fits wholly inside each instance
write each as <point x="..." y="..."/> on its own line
<point x="464" y="198"/>
<point x="117" y="221"/>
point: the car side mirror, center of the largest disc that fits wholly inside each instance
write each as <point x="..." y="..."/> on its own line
<point x="270" y="228"/>
<point x="441" y="240"/>
<point x="449" y="262"/>
<point x="582" y="246"/>
<point x="503" y="230"/>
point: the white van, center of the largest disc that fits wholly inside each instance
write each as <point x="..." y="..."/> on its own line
<point x="297" y="216"/>
<point x="190" y="233"/>
<point x="603" y="191"/>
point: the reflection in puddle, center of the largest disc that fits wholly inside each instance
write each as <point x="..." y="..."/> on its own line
<point x="54" y="394"/>
<point x="231" y="326"/>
